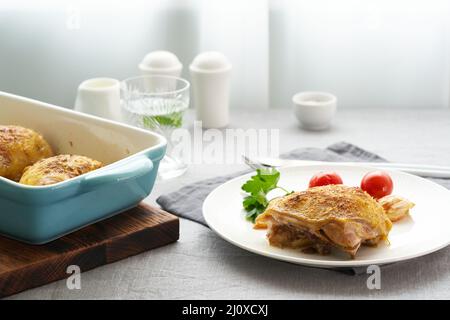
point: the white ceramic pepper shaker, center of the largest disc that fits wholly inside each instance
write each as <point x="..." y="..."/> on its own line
<point x="161" y="62"/>
<point x="210" y="78"/>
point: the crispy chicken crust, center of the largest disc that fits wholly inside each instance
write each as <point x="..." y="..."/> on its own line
<point x="56" y="169"/>
<point x="20" y="147"/>
<point x="323" y="217"/>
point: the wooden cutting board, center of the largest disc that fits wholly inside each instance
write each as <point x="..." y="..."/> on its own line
<point x="24" y="266"/>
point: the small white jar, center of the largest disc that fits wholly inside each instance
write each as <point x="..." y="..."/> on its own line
<point x="314" y="110"/>
<point x="161" y="62"/>
<point x="99" y="97"/>
<point x="210" y="79"/>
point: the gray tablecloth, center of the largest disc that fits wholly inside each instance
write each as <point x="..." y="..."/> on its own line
<point x="203" y="266"/>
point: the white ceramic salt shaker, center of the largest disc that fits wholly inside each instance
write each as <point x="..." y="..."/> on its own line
<point x="210" y="79"/>
<point x="99" y="97"/>
<point x="161" y="62"/>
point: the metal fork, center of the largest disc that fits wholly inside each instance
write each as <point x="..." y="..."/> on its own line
<point x="420" y="170"/>
<point x="254" y="164"/>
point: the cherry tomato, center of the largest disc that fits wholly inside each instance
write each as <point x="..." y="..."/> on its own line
<point x="377" y="183"/>
<point x="324" y="178"/>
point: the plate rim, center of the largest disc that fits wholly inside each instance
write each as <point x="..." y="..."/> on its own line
<point x="323" y="263"/>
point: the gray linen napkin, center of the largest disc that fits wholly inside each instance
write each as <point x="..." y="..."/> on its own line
<point x="187" y="201"/>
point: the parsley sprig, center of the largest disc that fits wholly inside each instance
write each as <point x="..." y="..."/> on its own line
<point x="257" y="188"/>
<point x="171" y="120"/>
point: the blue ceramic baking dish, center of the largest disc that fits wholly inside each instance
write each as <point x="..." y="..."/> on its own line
<point x="39" y="214"/>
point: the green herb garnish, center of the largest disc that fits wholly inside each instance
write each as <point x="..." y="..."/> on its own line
<point x="173" y="120"/>
<point x="258" y="187"/>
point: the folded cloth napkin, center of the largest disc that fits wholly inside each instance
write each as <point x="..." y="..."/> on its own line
<point x="187" y="202"/>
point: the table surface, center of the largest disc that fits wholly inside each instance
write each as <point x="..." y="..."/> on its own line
<point x="203" y="266"/>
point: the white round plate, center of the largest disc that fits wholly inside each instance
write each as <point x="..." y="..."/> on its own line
<point x="425" y="231"/>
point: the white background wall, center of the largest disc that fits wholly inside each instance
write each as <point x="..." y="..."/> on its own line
<point x="384" y="54"/>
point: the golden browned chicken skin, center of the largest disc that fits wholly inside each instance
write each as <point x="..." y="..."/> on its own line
<point x="58" y="168"/>
<point x="19" y="148"/>
<point x="323" y="217"/>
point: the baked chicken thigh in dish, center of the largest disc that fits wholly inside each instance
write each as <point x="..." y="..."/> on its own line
<point x="58" y="168"/>
<point x="323" y="217"/>
<point x="20" y="147"/>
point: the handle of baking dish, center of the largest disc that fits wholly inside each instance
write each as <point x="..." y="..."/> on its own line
<point x="134" y="168"/>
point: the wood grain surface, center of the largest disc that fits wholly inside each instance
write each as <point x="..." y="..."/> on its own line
<point x="24" y="266"/>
